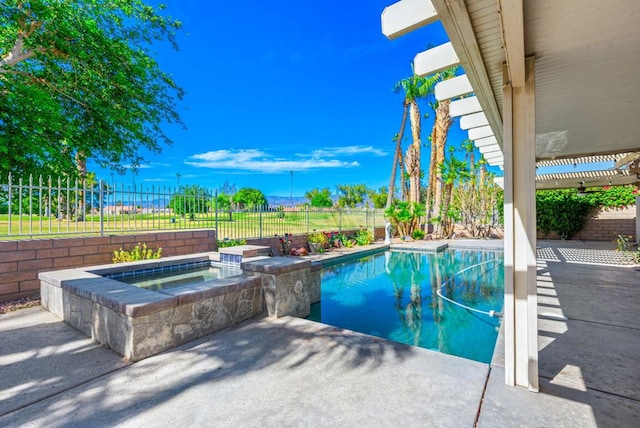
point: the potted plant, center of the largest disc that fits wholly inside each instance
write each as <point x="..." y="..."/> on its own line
<point x="317" y="241"/>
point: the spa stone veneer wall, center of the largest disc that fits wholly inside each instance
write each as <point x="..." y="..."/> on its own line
<point x="21" y="261"/>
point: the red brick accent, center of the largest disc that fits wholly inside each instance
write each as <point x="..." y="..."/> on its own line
<point x="14" y="256"/>
<point x="8" y="290"/>
<point x="8" y="267"/>
<point x="8" y="246"/>
<point x="31" y="285"/>
<point x="35" y="264"/>
<point x="96" y="259"/>
<point x="81" y="251"/>
<point x="58" y="252"/>
<point x="39" y="244"/>
<point x="66" y="262"/>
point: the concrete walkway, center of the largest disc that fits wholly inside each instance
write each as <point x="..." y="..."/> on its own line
<point x="292" y="372"/>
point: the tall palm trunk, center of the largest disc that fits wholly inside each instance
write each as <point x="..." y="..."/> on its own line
<point x="397" y="158"/>
<point x="441" y="130"/>
<point x="448" y="192"/>
<point x="431" y="181"/>
<point x="413" y="154"/>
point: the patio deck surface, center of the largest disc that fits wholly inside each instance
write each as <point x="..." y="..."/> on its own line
<point x="292" y="372"/>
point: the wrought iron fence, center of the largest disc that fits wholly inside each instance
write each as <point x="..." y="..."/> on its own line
<point x="48" y="207"/>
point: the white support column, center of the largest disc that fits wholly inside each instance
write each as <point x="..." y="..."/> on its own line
<point x="520" y="298"/>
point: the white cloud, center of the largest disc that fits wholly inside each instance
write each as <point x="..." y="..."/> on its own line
<point x="348" y="151"/>
<point x="256" y="160"/>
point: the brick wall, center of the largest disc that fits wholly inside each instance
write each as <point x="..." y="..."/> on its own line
<point x="605" y="225"/>
<point x="21" y="261"/>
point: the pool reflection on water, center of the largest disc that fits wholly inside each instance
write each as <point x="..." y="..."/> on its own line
<point x="392" y="295"/>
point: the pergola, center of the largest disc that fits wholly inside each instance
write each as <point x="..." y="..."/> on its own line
<point x="545" y="81"/>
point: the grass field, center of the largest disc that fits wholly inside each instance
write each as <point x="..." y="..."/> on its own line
<point x="232" y="225"/>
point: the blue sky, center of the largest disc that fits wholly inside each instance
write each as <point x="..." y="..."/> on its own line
<point x="275" y="87"/>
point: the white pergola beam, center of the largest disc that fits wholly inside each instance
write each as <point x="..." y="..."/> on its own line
<point x="453" y="88"/>
<point x="512" y="20"/>
<point x="464" y="106"/>
<point x="473" y="121"/>
<point x="435" y="59"/>
<point x="629" y="157"/>
<point x="457" y="23"/>
<point x="481" y="132"/>
<point x="481" y="142"/>
<point x="405" y="16"/>
<point x="490" y="149"/>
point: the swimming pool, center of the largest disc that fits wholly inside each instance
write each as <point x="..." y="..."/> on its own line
<point x="393" y="295"/>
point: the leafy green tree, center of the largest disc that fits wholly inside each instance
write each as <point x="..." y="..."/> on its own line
<point x="250" y="198"/>
<point x="380" y="197"/>
<point x="224" y="201"/>
<point x="78" y="82"/>
<point x="319" y="198"/>
<point x="191" y="200"/>
<point x="350" y="196"/>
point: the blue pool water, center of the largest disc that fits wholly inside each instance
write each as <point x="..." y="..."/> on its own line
<point x="393" y="295"/>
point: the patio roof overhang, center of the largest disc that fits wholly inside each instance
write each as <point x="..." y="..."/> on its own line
<point x="586" y="62"/>
<point x="545" y="80"/>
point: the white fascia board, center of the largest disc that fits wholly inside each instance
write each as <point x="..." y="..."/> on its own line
<point x="405" y="16"/>
<point x="481" y="132"/>
<point x="493" y="156"/>
<point x="489" y="149"/>
<point x="484" y="142"/>
<point x="456" y="21"/>
<point x="473" y="120"/>
<point x="464" y="106"/>
<point x="453" y="88"/>
<point x="499" y="181"/>
<point x="512" y="20"/>
<point x="435" y="59"/>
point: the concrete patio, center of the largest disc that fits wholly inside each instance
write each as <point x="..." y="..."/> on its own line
<point x="292" y="372"/>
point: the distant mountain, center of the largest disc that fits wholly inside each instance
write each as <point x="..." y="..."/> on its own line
<point x="286" y="201"/>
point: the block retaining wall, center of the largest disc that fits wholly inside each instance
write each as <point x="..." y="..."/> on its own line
<point x="21" y="261"/>
<point x="605" y="225"/>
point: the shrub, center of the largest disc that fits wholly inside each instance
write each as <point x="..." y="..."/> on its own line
<point x="364" y="237"/>
<point x="231" y="242"/>
<point x="318" y="238"/>
<point x="418" y="234"/>
<point x="139" y="252"/>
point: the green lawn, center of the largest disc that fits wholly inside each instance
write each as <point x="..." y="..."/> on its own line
<point x="229" y="225"/>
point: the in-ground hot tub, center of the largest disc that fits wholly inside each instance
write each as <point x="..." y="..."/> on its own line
<point x="138" y="322"/>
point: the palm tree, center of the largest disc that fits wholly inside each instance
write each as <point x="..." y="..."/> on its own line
<point x="414" y="88"/>
<point x="397" y="158"/>
<point x="452" y="170"/>
<point x="468" y="147"/>
<point x="439" y="134"/>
